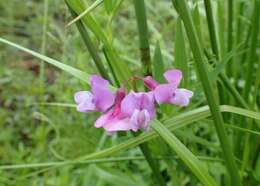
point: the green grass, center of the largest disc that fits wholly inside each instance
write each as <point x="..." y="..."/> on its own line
<point x="48" y="51"/>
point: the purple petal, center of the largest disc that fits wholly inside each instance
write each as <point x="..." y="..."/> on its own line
<point x="103" y="97"/>
<point x="104" y="119"/>
<point x="112" y="123"/>
<point x="84" y="100"/>
<point x="140" y="119"/>
<point x="96" y="80"/>
<point x="150" y="82"/>
<point x="147" y="103"/>
<point x="173" y="76"/>
<point x="163" y="93"/>
<point x="181" y="97"/>
<point x="129" y="104"/>
<point x="138" y="101"/>
<point x="118" y="125"/>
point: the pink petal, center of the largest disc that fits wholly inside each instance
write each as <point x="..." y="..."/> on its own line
<point x="96" y="80"/>
<point x="129" y="103"/>
<point x="181" y="97"/>
<point x="138" y="101"/>
<point x="118" y="125"/>
<point x="103" y="97"/>
<point x="150" y="82"/>
<point x="163" y="93"/>
<point x="173" y="76"/>
<point x="84" y="100"/>
<point x="103" y="119"/>
<point x="140" y="119"/>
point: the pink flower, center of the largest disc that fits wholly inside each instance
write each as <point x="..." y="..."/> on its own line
<point x="169" y="92"/>
<point x="99" y="99"/>
<point x="121" y="112"/>
<point x="131" y="112"/>
<point x="114" y="120"/>
<point x="139" y="107"/>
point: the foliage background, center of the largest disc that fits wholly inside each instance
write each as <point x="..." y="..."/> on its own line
<point x="32" y="133"/>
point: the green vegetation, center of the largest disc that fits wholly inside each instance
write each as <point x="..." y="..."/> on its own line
<point x="49" y="49"/>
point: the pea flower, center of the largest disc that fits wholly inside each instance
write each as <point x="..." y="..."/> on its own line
<point x="114" y="119"/>
<point x="121" y="112"/>
<point x="169" y="92"/>
<point x="139" y="107"/>
<point x="99" y="99"/>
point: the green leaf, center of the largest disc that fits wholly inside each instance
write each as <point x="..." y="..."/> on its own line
<point x="85" y="12"/>
<point x="184" y="153"/>
<point x="180" y="53"/>
<point x="71" y="70"/>
<point x="158" y="65"/>
<point x="202" y="71"/>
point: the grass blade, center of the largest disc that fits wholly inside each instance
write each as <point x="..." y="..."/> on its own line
<point x="184" y="154"/>
<point x="158" y="65"/>
<point x="208" y="89"/>
<point x="140" y="13"/>
<point x="181" y="58"/>
<point x="120" y="68"/>
<point x="252" y="59"/>
<point x="91" y="47"/>
<point x="85" y="12"/>
<point x="71" y="70"/>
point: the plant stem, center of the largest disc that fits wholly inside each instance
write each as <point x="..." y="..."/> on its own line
<point x="212" y="30"/>
<point x="43" y="44"/>
<point x="90" y="46"/>
<point x="141" y="20"/>
<point x="153" y="163"/>
<point x="208" y="89"/>
<point x="143" y="36"/>
<point x="252" y="58"/>
<point x="230" y="33"/>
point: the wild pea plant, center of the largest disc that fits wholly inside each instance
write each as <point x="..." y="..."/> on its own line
<point x="220" y="49"/>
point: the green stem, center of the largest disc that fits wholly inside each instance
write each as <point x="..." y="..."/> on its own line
<point x="153" y="163"/>
<point x="230" y="32"/>
<point x="143" y="36"/>
<point x="90" y="46"/>
<point x="212" y="30"/>
<point x="147" y="66"/>
<point x="252" y="58"/>
<point x="43" y="44"/>
<point x="208" y="89"/>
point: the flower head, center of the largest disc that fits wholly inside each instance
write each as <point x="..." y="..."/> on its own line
<point x="114" y="120"/>
<point x="169" y="92"/>
<point x="139" y="107"/>
<point x="121" y="112"/>
<point x="99" y="99"/>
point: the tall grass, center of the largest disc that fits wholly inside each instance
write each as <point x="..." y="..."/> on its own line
<point x="185" y="146"/>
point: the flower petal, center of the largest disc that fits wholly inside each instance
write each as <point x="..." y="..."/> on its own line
<point x="84" y="100"/>
<point x="147" y="103"/>
<point x="104" y="119"/>
<point x="103" y="97"/>
<point x="96" y="80"/>
<point x="138" y="101"/>
<point x="150" y="82"/>
<point x="173" y="76"/>
<point x="129" y="104"/>
<point x="164" y="92"/>
<point x="140" y="119"/>
<point x="181" y="97"/>
<point x="118" y="125"/>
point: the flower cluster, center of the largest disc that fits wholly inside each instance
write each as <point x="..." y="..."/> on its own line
<point x="132" y="111"/>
